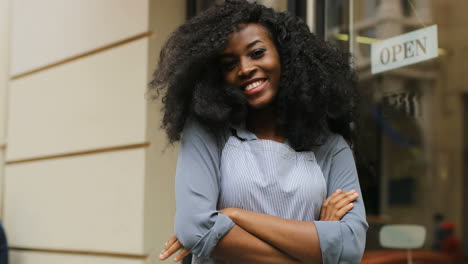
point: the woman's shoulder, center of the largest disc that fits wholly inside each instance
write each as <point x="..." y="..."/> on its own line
<point x="332" y="145"/>
<point x="194" y="126"/>
<point x="195" y="130"/>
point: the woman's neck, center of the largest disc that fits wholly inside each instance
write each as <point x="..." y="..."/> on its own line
<point x="262" y="123"/>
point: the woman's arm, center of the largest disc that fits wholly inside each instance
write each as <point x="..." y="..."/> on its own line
<point x="236" y="246"/>
<point x="198" y="225"/>
<point x="342" y="241"/>
<point x="239" y="246"/>
<point x="298" y="239"/>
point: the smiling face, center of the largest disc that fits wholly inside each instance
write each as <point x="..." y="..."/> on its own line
<point x="251" y="63"/>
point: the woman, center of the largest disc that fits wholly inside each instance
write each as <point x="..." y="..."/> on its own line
<point x="265" y="108"/>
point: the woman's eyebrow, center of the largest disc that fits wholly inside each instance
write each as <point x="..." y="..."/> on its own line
<point x="251" y="44"/>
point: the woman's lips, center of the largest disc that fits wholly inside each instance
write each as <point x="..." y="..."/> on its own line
<point x="256" y="89"/>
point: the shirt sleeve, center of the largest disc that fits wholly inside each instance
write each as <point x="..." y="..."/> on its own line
<point x="198" y="225"/>
<point x="343" y="241"/>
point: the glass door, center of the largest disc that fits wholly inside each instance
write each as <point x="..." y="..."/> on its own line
<point x="409" y="145"/>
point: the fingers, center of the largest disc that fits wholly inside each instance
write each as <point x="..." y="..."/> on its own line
<point x="346" y="200"/>
<point x="332" y="196"/>
<point x="183" y="253"/>
<point x="343" y="196"/>
<point x="170" y="250"/>
<point x="340" y="213"/>
<point x="337" y="205"/>
<point x="169" y="242"/>
<point x="325" y="204"/>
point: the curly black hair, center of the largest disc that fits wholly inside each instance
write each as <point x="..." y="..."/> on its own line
<point x="318" y="87"/>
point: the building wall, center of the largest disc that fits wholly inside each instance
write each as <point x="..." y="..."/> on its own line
<point x="279" y="5"/>
<point x="85" y="178"/>
<point x="161" y="158"/>
<point x="4" y="76"/>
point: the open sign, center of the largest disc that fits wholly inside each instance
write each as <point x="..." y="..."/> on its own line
<point x="406" y="49"/>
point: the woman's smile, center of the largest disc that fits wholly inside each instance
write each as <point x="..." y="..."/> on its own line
<point x="255" y="86"/>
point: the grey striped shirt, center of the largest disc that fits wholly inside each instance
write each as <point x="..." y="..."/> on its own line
<point x="280" y="182"/>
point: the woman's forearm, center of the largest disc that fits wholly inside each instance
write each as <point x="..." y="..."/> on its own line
<point x="298" y="239"/>
<point x="239" y="246"/>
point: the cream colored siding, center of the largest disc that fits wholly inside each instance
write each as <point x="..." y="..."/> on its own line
<point x="166" y="15"/>
<point x="53" y="258"/>
<point x="95" y="102"/>
<point x="87" y="203"/>
<point x="88" y="175"/>
<point x="4" y="77"/>
<point x="50" y="30"/>
<point x="4" y="63"/>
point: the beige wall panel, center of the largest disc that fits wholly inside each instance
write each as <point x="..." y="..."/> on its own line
<point x="4" y="64"/>
<point x="2" y="179"/>
<point x="28" y="257"/>
<point x="4" y="77"/>
<point x="92" y="202"/>
<point x="279" y="5"/>
<point x="95" y="102"/>
<point x="51" y="30"/>
<point x="161" y="159"/>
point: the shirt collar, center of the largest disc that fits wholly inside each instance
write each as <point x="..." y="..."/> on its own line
<point x="243" y="133"/>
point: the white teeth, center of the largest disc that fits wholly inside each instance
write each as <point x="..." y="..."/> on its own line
<point x="253" y="85"/>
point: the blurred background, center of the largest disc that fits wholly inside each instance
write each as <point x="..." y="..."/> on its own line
<point x="87" y="176"/>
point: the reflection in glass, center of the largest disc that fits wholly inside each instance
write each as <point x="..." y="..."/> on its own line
<point x="412" y="135"/>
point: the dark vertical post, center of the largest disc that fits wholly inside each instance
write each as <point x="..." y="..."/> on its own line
<point x="320" y="18"/>
<point x="191" y="10"/>
<point x="292" y="6"/>
<point x="298" y="8"/>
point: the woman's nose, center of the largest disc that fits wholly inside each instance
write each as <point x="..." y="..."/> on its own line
<point x="246" y="70"/>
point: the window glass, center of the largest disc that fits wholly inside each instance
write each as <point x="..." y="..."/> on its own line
<point x="412" y="139"/>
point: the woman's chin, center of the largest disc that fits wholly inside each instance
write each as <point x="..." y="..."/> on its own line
<point x="260" y="103"/>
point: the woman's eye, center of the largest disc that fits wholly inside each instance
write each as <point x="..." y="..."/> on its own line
<point x="228" y="65"/>
<point x="257" y="53"/>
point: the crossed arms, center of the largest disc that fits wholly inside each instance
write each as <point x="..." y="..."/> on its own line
<point x="251" y="240"/>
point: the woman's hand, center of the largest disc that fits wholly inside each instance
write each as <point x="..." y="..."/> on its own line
<point x="337" y="205"/>
<point x="172" y="246"/>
